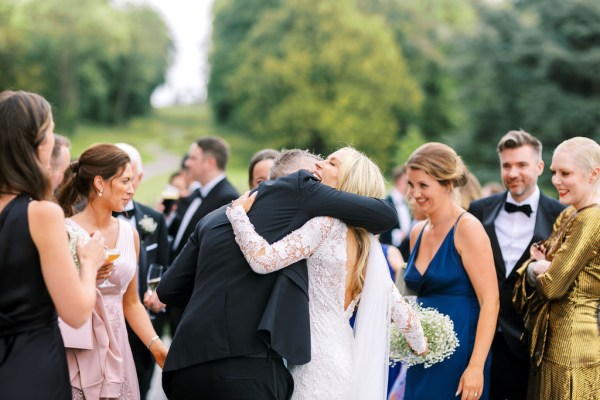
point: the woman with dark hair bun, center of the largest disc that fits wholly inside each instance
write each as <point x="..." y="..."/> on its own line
<point x="39" y="276"/>
<point x="102" y="179"/>
<point x="451" y="267"/>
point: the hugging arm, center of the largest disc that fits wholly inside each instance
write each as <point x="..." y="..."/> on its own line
<point x="264" y="257"/>
<point x="375" y="215"/>
<point x="406" y="319"/>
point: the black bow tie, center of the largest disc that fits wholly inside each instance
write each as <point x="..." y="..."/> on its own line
<point x="511" y="208"/>
<point x="197" y="194"/>
<point x="127" y="214"/>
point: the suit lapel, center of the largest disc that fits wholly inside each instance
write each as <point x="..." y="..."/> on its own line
<point x="142" y="262"/>
<point x="490" y="228"/>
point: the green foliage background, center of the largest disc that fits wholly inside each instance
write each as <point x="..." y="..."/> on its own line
<point x="382" y="75"/>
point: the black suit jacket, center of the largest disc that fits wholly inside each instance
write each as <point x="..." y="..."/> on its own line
<point x="221" y="194"/>
<point x="486" y="210"/>
<point x="227" y="302"/>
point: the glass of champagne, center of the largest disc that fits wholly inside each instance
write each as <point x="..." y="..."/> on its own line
<point x="170" y="196"/>
<point x="155" y="272"/>
<point x="111" y="255"/>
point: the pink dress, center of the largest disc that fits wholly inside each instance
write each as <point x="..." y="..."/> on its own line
<point x="106" y="369"/>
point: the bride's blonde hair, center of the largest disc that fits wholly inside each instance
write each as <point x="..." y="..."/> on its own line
<point x="359" y="174"/>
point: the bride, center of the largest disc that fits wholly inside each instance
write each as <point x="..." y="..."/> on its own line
<point x="346" y="269"/>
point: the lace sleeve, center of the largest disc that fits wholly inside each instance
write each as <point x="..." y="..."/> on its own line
<point x="405" y="317"/>
<point x="264" y="257"/>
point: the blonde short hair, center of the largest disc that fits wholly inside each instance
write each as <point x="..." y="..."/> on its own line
<point x="585" y="153"/>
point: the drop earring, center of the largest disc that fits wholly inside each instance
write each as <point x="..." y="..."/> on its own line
<point x="100" y="193"/>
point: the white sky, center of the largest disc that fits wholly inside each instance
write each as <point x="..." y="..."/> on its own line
<point x="190" y="24"/>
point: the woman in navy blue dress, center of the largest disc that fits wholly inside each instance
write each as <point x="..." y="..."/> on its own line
<point x="38" y="273"/>
<point x="452" y="269"/>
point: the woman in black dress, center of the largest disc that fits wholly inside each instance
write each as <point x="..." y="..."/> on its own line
<point x="38" y="274"/>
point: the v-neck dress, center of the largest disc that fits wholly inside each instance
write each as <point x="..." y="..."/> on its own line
<point x="446" y="287"/>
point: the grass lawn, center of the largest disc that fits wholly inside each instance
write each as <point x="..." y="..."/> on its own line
<point x="169" y="132"/>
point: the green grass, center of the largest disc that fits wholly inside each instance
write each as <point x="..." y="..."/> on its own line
<point x="169" y="131"/>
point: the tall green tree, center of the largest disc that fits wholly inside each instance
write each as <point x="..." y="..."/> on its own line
<point x="321" y="75"/>
<point x="532" y="65"/>
<point x="91" y="60"/>
<point x="425" y="33"/>
<point x="233" y="21"/>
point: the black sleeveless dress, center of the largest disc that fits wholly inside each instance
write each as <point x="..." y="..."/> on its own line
<point x="33" y="363"/>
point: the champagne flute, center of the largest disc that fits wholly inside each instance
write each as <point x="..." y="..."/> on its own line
<point x="111" y="255"/>
<point x="155" y="272"/>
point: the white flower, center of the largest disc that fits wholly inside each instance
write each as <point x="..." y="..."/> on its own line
<point x="441" y="339"/>
<point x="147" y="224"/>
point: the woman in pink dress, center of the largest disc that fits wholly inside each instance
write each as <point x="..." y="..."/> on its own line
<point x="100" y="363"/>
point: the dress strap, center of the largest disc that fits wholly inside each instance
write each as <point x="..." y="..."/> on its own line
<point x="458" y="219"/>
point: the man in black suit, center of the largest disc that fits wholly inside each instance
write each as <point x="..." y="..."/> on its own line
<point x="206" y="163"/>
<point x="154" y="249"/>
<point x="513" y="221"/>
<point x="237" y="324"/>
<point x="399" y="235"/>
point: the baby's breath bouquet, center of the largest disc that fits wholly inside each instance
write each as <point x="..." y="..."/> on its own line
<point x="74" y="236"/>
<point x="441" y="338"/>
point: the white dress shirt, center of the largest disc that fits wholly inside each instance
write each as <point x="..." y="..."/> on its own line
<point x="404" y="218"/>
<point x="515" y="230"/>
<point x="193" y="207"/>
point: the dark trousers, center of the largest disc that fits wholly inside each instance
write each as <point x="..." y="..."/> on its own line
<point x="240" y="378"/>
<point x="509" y="374"/>
<point x="142" y="357"/>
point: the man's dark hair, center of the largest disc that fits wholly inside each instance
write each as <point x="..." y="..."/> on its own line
<point x="516" y="139"/>
<point x="215" y="147"/>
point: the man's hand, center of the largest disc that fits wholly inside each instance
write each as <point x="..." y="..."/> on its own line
<point x="152" y="302"/>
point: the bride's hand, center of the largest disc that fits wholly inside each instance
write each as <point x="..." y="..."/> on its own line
<point x="246" y="200"/>
<point x="424" y="352"/>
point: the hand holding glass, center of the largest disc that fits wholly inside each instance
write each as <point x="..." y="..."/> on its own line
<point x="111" y="255"/>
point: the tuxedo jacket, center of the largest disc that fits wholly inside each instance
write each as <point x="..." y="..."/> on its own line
<point x="221" y="194"/>
<point x="232" y="311"/>
<point x="486" y="210"/>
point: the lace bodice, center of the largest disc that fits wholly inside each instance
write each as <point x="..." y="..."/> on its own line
<point x="322" y="241"/>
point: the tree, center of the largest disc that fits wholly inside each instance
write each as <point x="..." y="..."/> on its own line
<point x="533" y="65"/>
<point x="322" y="75"/>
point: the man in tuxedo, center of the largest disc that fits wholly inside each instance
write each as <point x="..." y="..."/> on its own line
<point x="206" y="163"/>
<point x="154" y="249"/>
<point x="399" y="235"/>
<point x="238" y="325"/>
<point x="514" y="220"/>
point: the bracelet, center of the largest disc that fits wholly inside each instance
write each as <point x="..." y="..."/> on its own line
<point x="152" y="341"/>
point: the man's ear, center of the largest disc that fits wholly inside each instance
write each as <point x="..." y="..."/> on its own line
<point x="540" y="167"/>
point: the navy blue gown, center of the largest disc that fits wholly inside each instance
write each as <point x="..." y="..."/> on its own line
<point x="33" y="363"/>
<point x="446" y="287"/>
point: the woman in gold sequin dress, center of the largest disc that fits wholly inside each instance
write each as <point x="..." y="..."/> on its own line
<point x="559" y="289"/>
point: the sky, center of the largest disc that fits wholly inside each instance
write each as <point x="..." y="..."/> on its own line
<point x="190" y="24"/>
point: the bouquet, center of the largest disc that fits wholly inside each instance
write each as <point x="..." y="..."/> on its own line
<point x="441" y="339"/>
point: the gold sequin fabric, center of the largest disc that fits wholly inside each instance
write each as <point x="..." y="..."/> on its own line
<point x="570" y="365"/>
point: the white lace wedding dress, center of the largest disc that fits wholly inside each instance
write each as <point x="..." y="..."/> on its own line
<point x="322" y="241"/>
